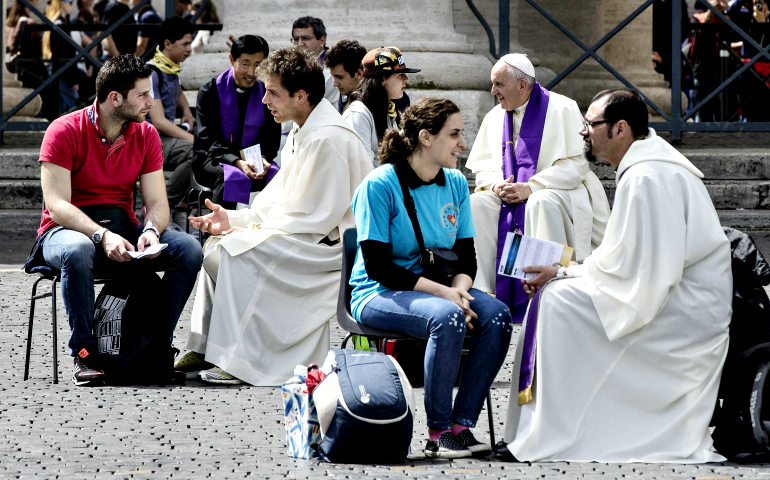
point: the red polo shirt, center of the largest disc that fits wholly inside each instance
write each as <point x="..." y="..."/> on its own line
<point x="102" y="173"/>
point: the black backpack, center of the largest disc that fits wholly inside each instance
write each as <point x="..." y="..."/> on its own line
<point x="742" y="425"/>
<point x="132" y="330"/>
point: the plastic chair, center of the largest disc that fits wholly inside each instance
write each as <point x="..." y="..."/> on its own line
<point x="350" y="325"/>
<point x="196" y="187"/>
<point x="48" y="273"/>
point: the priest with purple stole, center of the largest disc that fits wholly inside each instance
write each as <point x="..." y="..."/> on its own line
<point x="230" y="117"/>
<point x="531" y="177"/>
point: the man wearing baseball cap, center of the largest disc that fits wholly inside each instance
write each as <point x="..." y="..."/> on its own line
<point x="531" y="177"/>
<point x="376" y="105"/>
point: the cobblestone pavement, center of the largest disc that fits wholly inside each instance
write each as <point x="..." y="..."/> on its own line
<point x="197" y="431"/>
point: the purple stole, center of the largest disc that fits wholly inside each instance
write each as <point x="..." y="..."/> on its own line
<point x="522" y="164"/>
<point x="527" y="367"/>
<point x="237" y="184"/>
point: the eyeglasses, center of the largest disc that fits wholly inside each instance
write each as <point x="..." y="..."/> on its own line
<point x="587" y="123"/>
<point x="304" y="38"/>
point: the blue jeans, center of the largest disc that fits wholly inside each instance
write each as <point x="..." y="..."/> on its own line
<point x="78" y="258"/>
<point x="442" y="323"/>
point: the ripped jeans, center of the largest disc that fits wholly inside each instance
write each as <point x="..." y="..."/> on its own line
<point x="442" y="323"/>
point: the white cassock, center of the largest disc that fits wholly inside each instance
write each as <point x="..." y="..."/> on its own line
<point x="568" y="204"/>
<point x="265" y="295"/>
<point x="629" y="354"/>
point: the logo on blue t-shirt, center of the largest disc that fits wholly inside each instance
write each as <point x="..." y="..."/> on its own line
<point x="449" y="219"/>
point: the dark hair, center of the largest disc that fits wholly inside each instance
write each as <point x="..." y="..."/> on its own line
<point x="119" y="74"/>
<point x="173" y="29"/>
<point x="372" y="93"/>
<point x="428" y="114"/>
<point x="624" y="104"/>
<point x="209" y="14"/>
<point x="348" y="53"/>
<point x="249" y="44"/>
<point x="319" y="30"/>
<point x="296" y="69"/>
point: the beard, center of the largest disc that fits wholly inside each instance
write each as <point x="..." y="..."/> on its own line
<point x="126" y="114"/>
<point x="588" y="153"/>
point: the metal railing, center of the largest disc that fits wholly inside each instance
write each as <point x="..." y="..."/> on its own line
<point x="675" y="122"/>
<point x="62" y="32"/>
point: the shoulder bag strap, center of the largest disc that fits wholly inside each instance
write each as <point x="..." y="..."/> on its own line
<point x="412" y="211"/>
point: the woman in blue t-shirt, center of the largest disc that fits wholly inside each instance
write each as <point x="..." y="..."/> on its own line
<point x="390" y="291"/>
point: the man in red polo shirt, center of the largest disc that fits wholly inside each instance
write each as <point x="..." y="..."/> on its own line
<point x="90" y="161"/>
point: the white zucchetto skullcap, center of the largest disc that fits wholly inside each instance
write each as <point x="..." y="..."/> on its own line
<point x="520" y="61"/>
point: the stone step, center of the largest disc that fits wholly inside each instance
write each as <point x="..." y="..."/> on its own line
<point x="716" y="164"/>
<point x="726" y="194"/>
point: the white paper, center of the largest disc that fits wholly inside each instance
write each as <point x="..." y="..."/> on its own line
<point x="253" y="156"/>
<point x="521" y="251"/>
<point x="151" y="250"/>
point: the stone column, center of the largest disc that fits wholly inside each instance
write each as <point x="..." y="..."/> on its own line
<point x="422" y="30"/>
<point x="13" y="93"/>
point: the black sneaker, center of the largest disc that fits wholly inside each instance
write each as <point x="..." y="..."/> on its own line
<point x="467" y="440"/>
<point x="446" y="446"/>
<point x="87" y="370"/>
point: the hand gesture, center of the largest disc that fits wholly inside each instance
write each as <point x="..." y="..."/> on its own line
<point x="145" y="240"/>
<point x="215" y="222"/>
<point x="515" y="192"/>
<point x="544" y="274"/>
<point x="249" y="170"/>
<point x="462" y="299"/>
<point x="116" y="247"/>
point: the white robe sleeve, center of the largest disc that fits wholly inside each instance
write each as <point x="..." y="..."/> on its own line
<point x="642" y="257"/>
<point x="564" y="174"/>
<point x="485" y="159"/>
<point x="363" y="126"/>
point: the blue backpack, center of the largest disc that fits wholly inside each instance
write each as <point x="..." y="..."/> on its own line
<point x="365" y="409"/>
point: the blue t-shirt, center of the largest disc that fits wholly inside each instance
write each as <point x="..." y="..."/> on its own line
<point x="443" y="211"/>
<point x="168" y="94"/>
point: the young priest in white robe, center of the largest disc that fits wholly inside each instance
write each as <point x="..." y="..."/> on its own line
<point x="272" y="272"/>
<point x="531" y="176"/>
<point x="619" y="358"/>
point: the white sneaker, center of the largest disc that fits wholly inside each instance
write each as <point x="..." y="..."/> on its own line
<point x="218" y="376"/>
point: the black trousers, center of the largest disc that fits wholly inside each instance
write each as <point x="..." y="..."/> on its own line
<point x="213" y="176"/>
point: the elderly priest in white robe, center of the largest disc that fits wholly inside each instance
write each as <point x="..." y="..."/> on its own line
<point x="531" y="177"/>
<point x="619" y="358"/>
<point x="269" y="285"/>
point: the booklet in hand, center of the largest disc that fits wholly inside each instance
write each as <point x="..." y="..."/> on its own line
<point x="521" y="251"/>
<point x="151" y="250"/>
<point x="253" y="156"/>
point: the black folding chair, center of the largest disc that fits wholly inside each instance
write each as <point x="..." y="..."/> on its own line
<point x="54" y="276"/>
<point x="350" y="325"/>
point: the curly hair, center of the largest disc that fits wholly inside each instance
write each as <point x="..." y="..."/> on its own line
<point x="428" y="114"/>
<point x="296" y="69"/>
<point x="119" y="74"/>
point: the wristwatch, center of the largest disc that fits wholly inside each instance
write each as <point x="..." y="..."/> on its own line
<point x="150" y="226"/>
<point x="561" y="271"/>
<point x="98" y="236"/>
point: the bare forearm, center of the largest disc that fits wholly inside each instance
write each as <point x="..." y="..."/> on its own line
<point x="462" y="281"/>
<point x="71" y="217"/>
<point x="158" y="214"/>
<point x="170" y="130"/>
